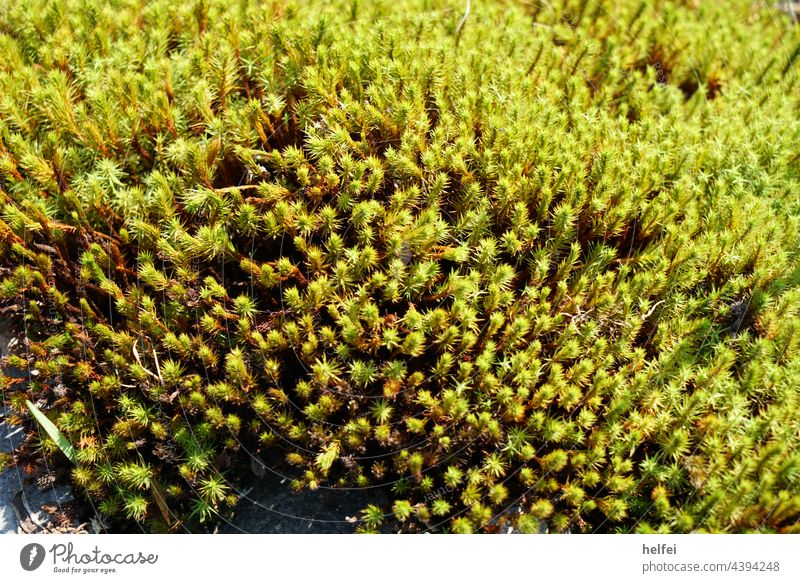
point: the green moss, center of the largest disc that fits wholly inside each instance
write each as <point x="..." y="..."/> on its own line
<point x="538" y="264"/>
<point x="6" y="461"/>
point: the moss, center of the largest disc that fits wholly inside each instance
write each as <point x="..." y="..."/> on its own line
<point x="6" y="461"/>
<point x="538" y="264"/>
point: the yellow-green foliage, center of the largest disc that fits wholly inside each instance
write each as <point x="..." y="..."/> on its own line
<point x="530" y="261"/>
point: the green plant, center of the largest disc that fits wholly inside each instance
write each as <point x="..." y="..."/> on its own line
<point x="63" y="444"/>
<point x="525" y="275"/>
